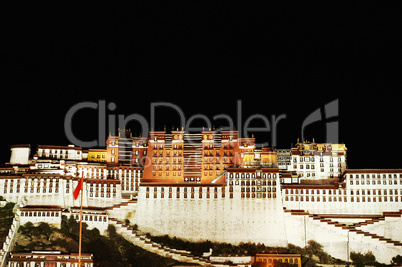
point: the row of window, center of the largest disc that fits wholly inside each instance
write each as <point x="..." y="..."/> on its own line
<point x="47" y="166"/>
<point x="160" y="153"/>
<point x="95" y="218"/>
<point x="374" y="182"/>
<point x="188" y="195"/>
<point x="312" y="159"/>
<point x="258" y="195"/>
<point x="374" y="192"/>
<point x="339" y="192"/>
<point x="129" y="186"/>
<point x="136" y="152"/>
<point x="375" y="175"/>
<point x="312" y="166"/>
<point x="56" y="151"/>
<point x="312" y="174"/>
<point x="315" y="191"/>
<point x="97" y="156"/>
<point x="51" y="187"/>
<point x="167" y="173"/>
<point x="163" y="160"/>
<point x="252" y="175"/>
<point x="215" y="159"/>
<point x="40" y="213"/>
<point x="50" y="190"/>
<point x="191" y="189"/>
<point x="258" y="189"/>
<point x="274" y="261"/>
<point x="91" y="194"/>
<point x="344" y="199"/>
<point x="33" y="185"/>
<point x="113" y="173"/>
<point x="175" y="146"/>
<point x="253" y="182"/>
<point x="102" y="189"/>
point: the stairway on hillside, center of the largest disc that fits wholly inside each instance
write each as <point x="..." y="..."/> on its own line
<point x="142" y="241"/>
<point x="120" y="210"/>
<point x="353" y="227"/>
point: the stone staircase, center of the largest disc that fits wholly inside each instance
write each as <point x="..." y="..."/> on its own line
<point x="353" y="227"/>
<point x="339" y="239"/>
<point x="121" y="210"/>
<point x="7" y="244"/>
<point x="140" y="240"/>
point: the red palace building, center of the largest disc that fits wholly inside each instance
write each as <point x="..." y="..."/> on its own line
<point x="180" y="157"/>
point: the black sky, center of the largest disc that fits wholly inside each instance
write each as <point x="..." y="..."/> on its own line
<point x="204" y="58"/>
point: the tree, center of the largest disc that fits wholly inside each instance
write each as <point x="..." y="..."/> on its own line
<point x="397" y="260"/>
<point x="28" y="225"/>
<point x="315" y="247"/>
<point x="369" y="258"/>
<point x="361" y="260"/>
<point x="73" y="226"/>
<point x="111" y="230"/>
<point x="44" y="229"/>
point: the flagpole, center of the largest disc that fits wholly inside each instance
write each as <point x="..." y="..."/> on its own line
<point x="79" y="248"/>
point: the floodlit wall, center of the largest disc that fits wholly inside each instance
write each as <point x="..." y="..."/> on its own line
<point x="220" y="219"/>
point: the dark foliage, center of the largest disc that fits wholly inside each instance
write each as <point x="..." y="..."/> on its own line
<point x="112" y="250"/>
<point x="360" y="260"/>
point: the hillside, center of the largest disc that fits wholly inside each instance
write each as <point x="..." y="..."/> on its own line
<point x="6" y="219"/>
<point x="111" y="250"/>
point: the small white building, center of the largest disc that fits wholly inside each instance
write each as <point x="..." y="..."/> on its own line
<point x="69" y="152"/>
<point x="314" y="161"/>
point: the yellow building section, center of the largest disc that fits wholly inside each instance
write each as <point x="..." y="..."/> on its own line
<point x="248" y="158"/>
<point x="262" y="158"/>
<point x="272" y="260"/>
<point x="97" y="155"/>
<point x="335" y="147"/>
<point x="269" y="160"/>
<point x="339" y="147"/>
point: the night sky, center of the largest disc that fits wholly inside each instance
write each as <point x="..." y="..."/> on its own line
<point x="206" y="59"/>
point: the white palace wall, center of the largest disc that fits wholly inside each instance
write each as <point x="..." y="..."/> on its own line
<point x="221" y="219"/>
<point x="58" y="190"/>
<point x="247" y="207"/>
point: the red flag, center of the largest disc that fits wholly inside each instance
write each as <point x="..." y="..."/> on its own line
<point x="78" y="188"/>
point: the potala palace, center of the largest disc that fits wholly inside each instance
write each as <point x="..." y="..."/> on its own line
<point x="212" y="185"/>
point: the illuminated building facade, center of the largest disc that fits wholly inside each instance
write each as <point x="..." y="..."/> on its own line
<point x="180" y="157"/>
<point x="97" y="155"/>
<point x="214" y="185"/>
<point x="315" y="161"/>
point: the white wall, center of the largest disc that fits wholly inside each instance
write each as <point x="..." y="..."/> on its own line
<point x="302" y="228"/>
<point x="20" y="155"/>
<point x="230" y="220"/>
